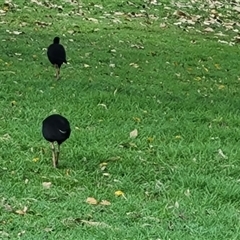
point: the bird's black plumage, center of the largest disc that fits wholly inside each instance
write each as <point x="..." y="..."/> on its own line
<point x="56" y="128"/>
<point x="56" y="54"/>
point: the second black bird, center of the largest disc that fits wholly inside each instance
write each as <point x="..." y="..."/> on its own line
<point x="57" y="55"/>
<point x="56" y="128"/>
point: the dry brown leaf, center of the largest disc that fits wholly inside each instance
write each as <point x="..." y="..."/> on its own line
<point x="134" y="133"/>
<point x="92" y="201"/>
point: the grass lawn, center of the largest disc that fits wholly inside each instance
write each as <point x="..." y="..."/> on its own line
<point x="169" y="70"/>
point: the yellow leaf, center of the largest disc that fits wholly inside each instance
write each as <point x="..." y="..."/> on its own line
<point x="197" y="79"/>
<point x="35" y="159"/>
<point x="92" y="201"/>
<point x="137" y="119"/>
<point x="150" y="139"/>
<point x="119" y="193"/>
<point x="134" y="133"/>
<point x="221" y="86"/>
<point x="67" y="172"/>
<point x="217" y="66"/>
<point x="13" y="103"/>
<point x="178" y="137"/>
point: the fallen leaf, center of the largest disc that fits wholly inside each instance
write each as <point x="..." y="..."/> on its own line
<point x="178" y="137"/>
<point x="106" y="174"/>
<point x="35" y="159"/>
<point x="13" y="103"/>
<point x="163" y="25"/>
<point x="134" y="133"/>
<point x="92" y="20"/>
<point x="220" y="152"/>
<point x="137" y="119"/>
<point x="67" y="172"/>
<point x="150" y="139"/>
<point x="47" y="229"/>
<point x="96" y="224"/>
<point x="105" y="203"/>
<point x="134" y="65"/>
<point x="4" y="234"/>
<point x="128" y="145"/>
<point x="221" y="86"/>
<point x="208" y="29"/>
<point x="119" y="193"/>
<point x="46" y="185"/>
<point x="92" y="201"/>
<point x="103" y="165"/>
<point x="187" y="193"/>
<point x="17" y="32"/>
<point x="21" y="233"/>
<point x="22" y="212"/>
<point x="102" y="105"/>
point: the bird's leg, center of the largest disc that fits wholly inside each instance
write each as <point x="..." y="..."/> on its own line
<point x="57" y="155"/>
<point x="56" y="67"/>
<point x="53" y="154"/>
<point x="58" y="72"/>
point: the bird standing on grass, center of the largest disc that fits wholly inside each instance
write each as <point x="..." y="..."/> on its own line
<point x="56" y="55"/>
<point x="56" y="128"/>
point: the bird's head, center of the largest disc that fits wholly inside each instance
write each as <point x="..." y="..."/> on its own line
<point x="56" y="40"/>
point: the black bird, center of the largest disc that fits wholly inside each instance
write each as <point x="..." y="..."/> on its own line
<point x="56" y="128"/>
<point x="57" y="55"/>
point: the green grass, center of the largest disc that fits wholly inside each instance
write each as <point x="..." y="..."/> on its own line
<point x="178" y="86"/>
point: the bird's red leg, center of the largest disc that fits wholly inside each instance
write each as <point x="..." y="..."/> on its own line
<point x="57" y="155"/>
<point x="53" y="154"/>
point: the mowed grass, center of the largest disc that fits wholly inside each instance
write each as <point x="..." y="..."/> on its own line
<point x="180" y="90"/>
